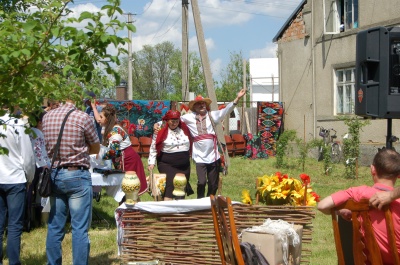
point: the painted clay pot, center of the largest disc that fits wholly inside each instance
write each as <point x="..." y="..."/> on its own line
<point x="130" y="186"/>
<point x="180" y="182"/>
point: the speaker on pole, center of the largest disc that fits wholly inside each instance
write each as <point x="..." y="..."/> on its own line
<point x="377" y="92"/>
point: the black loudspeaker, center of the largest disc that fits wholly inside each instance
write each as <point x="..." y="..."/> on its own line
<point x="378" y="73"/>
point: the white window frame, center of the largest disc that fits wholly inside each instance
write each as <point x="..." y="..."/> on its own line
<point x="332" y="15"/>
<point x="344" y="91"/>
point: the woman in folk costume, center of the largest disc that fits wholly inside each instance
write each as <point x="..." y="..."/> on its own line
<point x="171" y="148"/>
<point x="119" y="146"/>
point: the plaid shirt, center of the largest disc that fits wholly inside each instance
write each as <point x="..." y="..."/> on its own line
<point x="79" y="132"/>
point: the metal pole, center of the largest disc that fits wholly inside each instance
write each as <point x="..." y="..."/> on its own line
<point x="389" y="139"/>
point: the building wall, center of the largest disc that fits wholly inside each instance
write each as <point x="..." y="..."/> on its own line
<point x="308" y="59"/>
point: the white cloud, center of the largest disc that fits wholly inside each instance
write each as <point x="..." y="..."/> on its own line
<point x="269" y="51"/>
<point x="216" y="66"/>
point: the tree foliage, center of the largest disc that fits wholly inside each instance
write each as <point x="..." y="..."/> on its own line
<point x="232" y="77"/>
<point x="43" y="54"/>
<point x="157" y="73"/>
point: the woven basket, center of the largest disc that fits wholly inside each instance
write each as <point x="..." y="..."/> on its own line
<point x="189" y="238"/>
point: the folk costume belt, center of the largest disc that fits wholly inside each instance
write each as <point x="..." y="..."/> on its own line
<point x="207" y="136"/>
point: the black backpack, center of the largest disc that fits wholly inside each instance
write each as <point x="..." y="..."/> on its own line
<point x="251" y="255"/>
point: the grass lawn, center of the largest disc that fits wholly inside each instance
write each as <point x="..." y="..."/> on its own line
<point x="242" y="174"/>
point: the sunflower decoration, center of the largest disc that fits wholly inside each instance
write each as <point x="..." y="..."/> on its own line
<point x="161" y="185"/>
<point x="280" y="189"/>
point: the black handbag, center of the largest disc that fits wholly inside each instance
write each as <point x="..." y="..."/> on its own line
<point x="44" y="183"/>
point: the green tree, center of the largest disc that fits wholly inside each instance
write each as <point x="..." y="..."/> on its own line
<point x="157" y="73"/>
<point x="43" y="53"/>
<point x="151" y="71"/>
<point x="232" y="78"/>
<point x="103" y="83"/>
<point x="196" y="78"/>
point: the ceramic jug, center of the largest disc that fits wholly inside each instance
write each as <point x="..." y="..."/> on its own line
<point x="130" y="186"/>
<point x="180" y="182"/>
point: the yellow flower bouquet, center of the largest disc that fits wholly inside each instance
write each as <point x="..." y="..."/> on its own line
<point x="279" y="189"/>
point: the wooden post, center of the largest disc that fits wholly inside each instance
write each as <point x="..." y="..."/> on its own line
<point x="185" y="51"/>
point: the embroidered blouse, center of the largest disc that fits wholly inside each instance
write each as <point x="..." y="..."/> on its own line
<point x="118" y="140"/>
<point x="39" y="149"/>
<point x="176" y="141"/>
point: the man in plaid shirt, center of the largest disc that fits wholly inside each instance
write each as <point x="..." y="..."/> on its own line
<point x="72" y="183"/>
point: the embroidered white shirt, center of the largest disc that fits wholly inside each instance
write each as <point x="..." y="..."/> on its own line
<point x="19" y="165"/>
<point x="176" y="141"/>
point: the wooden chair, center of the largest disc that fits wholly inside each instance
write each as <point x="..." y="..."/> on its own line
<point x="145" y="143"/>
<point x="225" y="231"/>
<point x="239" y="144"/>
<point x="135" y="143"/>
<point x="365" y="248"/>
<point x="229" y="145"/>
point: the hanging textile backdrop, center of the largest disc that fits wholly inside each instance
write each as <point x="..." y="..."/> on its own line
<point x="270" y="119"/>
<point x="137" y="117"/>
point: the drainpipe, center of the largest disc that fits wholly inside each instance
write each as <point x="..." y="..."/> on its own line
<point x="313" y="73"/>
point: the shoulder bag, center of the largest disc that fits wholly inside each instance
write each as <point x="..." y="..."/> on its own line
<point x="44" y="183"/>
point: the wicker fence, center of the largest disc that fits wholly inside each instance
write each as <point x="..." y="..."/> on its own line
<point x="189" y="238"/>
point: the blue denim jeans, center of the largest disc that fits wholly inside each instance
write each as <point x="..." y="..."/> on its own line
<point x="12" y="200"/>
<point x="71" y="191"/>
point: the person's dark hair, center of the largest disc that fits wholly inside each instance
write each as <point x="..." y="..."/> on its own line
<point x="38" y="116"/>
<point x="109" y="113"/>
<point x="387" y="163"/>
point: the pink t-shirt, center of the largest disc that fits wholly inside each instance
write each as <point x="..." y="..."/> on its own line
<point x="377" y="216"/>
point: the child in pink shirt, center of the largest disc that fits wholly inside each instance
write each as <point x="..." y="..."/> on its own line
<point x="385" y="169"/>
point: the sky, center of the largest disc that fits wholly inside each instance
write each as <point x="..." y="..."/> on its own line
<point x="229" y="26"/>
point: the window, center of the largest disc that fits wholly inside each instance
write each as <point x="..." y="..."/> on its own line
<point x="340" y="15"/>
<point x="345" y="79"/>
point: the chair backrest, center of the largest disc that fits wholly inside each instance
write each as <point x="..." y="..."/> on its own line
<point x="135" y="143"/>
<point x="239" y="143"/>
<point x="365" y="247"/>
<point x="229" y="145"/>
<point x="225" y="231"/>
<point x="145" y="143"/>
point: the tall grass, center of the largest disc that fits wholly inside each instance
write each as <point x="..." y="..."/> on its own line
<point x="242" y="174"/>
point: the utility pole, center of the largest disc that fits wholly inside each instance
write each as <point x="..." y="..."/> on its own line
<point x="244" y="64"/>
<point x="130" y="92"/>
<point x="185" y="51"/>
<point x="206" y="68"/>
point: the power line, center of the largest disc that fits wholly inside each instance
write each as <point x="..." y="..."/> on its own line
<point x="164" y="20"/>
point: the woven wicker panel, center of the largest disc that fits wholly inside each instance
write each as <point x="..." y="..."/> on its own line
<point x="189" y="238"/>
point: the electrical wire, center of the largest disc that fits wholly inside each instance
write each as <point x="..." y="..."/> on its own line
<point x="155" y="35"/>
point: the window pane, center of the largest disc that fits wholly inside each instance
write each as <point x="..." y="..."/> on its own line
<point x="349" y="14"/>
<point x="348" y="99"/>
<point x="331" y="17"/>
<point x="348" y="75"/>
<point x="339" y="100"/>
<point x="345" y="91"/>
<point x="355" y="4"/>
<point x="339" y="76"/>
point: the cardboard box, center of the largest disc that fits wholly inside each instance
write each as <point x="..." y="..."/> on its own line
<point x="271" y="247"/>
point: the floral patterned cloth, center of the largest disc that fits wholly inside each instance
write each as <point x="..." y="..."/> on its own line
<point x="39" y="148"/>
<point x="255" y="147"/>
<point x="118" y="140"/>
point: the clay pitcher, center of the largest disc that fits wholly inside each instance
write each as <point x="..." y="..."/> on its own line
<point x="180" y="182"/>
<point x="130" y="186"/>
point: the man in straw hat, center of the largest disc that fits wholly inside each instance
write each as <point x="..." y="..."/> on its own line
<point x="205" y="147"/>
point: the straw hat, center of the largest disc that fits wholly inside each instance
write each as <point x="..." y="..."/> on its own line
<point x="199" y="98"/>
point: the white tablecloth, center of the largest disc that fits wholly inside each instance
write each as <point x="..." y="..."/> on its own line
<point x="112" y="183"/>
